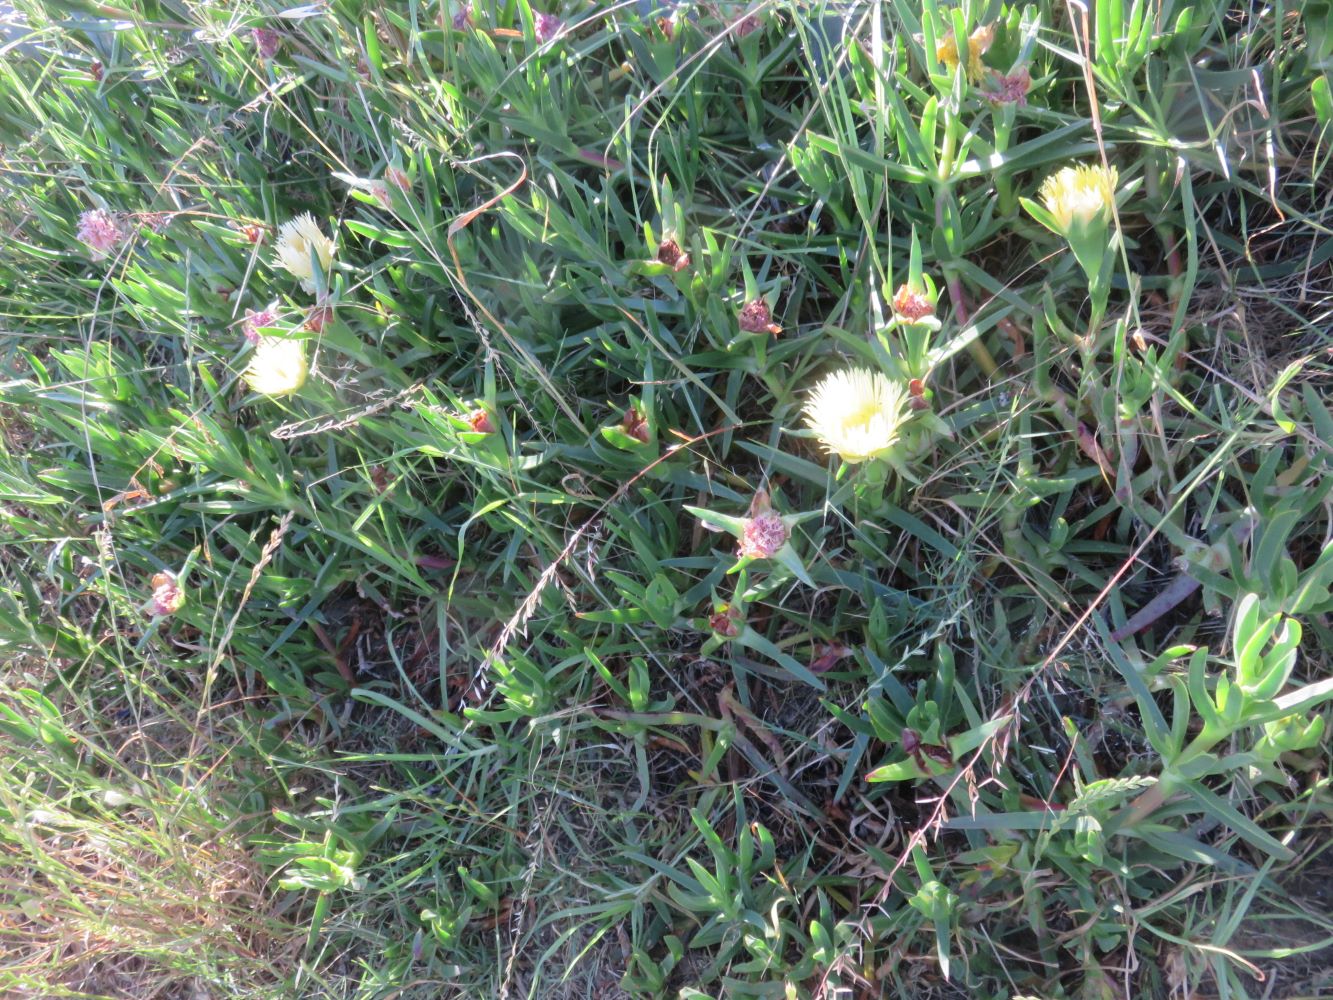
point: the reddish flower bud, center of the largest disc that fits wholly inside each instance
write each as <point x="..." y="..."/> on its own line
<point x="480" y="421"/>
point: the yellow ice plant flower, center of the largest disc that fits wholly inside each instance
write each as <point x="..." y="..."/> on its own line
<point x="977" y="44"/>
<point x="856" y="414"/>
<point x="279" y="366"/>
<point x="297" y="240"/>
<point x="1080" y="196"/>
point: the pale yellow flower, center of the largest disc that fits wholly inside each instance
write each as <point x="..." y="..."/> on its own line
<point x="296" y="240"/>
<point x="856" y="413"/>
<point x="1080" y="195"/>
<point x="278" y="367"/>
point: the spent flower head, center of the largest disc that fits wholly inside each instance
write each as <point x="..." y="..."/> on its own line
<point x="298" y="239"/>
<point x="670" y="254"/>
<point x="168" y="596"/>
<point x="278" y="367"/>
<point x="856" y="414"/>
<point x="763" y="536"/>
<point x="911" y="304"/>
<point x="267" y="42"/>
<point x="254" y="321"/>
<point x="756" y="317"/>
<point x="726" y="621"/>
<point x="101" y="231"/>
<point x="546" y="26"/>
<point x="1011" y="89"/>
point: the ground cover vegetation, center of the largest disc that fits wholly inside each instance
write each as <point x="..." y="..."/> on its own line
<point x="665" y="500"/>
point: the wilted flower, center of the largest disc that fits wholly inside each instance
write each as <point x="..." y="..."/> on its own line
<point x="398" y="178"/>
<point x="856" y="414"/>
<point x="379" y="190"/>
<point x="480" y="421"/>
<point x="101" y="231"/>
<point x="297" y="240"/>
<point x="726" y="622"/>
<point x="1012" y="89"/>
<point x="463" y="17"/>
<point x="318" y="318"/>
<point x="279" y="366"/>
<point x="156" y="221"/>
<point x="254" y="321"/>
<point x="635" y="424"/>
<point x="746" y="24"/>
<point x="763" y="535"/>
<point x="95" y="70"/>
<point x="911" y="305"/>
<point x="267" y="42"/>
<point x="827" y="656"/>
<point x="977" y="44"/>
<point x="916" y="394"/>
<point x="670" y="254"/>
<point x="168" y="597"/>
<point x="546" y="26"/>
<point x="252" y="231"/>
<point x="755" y="317"/>
<point x="1080" y="196"/>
